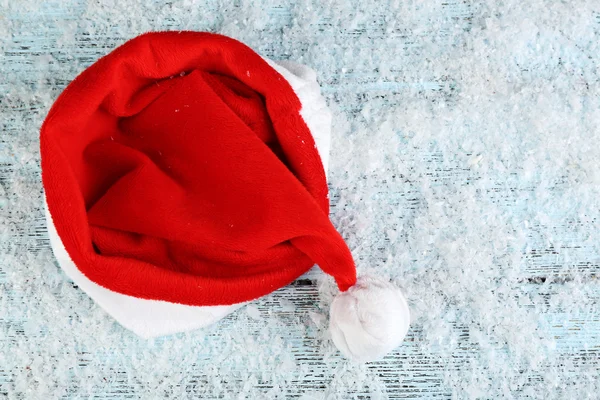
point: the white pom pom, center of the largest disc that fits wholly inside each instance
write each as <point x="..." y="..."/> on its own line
<point x="369" y="320"/>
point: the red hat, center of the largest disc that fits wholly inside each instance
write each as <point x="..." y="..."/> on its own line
<point x="184" y="176"/>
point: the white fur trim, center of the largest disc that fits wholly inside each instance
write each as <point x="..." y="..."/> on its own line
<point x="314" y="110"/>
<point x="147" y="318"/>
<point x="152" y="318"/>
<point x="369" y="320"/>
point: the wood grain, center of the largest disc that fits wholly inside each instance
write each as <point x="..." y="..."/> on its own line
<point x="47" y="44"/>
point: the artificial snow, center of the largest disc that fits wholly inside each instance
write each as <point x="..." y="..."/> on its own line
<point x="464" y="166"/>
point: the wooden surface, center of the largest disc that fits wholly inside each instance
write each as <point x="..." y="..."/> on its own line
<point x="373" y="62"/>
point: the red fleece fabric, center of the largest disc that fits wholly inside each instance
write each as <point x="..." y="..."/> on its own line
<point x="178" y="168"/>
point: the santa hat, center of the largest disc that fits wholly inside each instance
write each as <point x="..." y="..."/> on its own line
<point x="184" y="176"/>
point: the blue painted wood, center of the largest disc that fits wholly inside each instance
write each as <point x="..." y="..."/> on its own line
<point x="55" y="343"/>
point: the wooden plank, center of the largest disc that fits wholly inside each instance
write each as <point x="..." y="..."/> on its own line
<point x="55" y="343"/>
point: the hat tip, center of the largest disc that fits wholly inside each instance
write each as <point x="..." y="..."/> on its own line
<point x="369" y="320"/>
